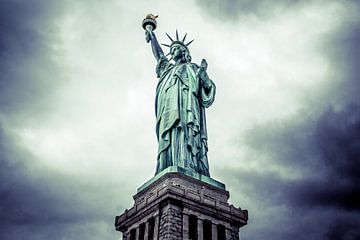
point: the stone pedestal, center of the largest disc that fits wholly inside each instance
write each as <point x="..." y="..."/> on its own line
<point x="175" y="205"/>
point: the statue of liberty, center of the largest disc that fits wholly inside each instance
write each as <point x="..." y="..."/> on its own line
<point x="183" y="92"/>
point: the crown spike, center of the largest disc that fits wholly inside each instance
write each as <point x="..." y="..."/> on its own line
<point x="189" y="42"/>
<point x="177" y="35"/>
<point x="166" y="45"/>
<point x="169" y="37"/>
<point x="183" y="40"/>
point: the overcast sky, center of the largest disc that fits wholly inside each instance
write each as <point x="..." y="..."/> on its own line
<point x="77" y="121"/>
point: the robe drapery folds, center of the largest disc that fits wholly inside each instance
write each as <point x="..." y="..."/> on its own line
<point x="180" y="117"/>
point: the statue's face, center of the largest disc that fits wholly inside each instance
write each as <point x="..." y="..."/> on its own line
<point x="176" y="52"/>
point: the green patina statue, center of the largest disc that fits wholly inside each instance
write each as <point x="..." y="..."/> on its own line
<point x="183" y="92"/>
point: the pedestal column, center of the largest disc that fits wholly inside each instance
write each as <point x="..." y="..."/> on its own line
<point x="137" y="235"/>
<point x="228" y="234"/>
<point x="200" y="229"/>
<point x="156" y="227"/>
<point x="214" y="232"/>
<point x="185" y="233"/>
<point x="146" y="234"/>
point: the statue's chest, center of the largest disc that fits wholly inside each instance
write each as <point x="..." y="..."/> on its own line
<point x="186" y="75"/>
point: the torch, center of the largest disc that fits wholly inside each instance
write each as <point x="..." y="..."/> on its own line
<point x="149" y="23"/>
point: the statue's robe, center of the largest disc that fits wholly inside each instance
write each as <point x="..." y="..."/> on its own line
<point x="180" y="105"/>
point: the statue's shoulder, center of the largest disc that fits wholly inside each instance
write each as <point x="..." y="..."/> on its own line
<point x="162" y="59"/>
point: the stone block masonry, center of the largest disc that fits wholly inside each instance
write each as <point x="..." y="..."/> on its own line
<point x="176" y="206"/>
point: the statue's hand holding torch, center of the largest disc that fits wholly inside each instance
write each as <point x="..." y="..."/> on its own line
<point x="149" y="25"/>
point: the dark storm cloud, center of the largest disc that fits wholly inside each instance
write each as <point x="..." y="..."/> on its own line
<point x="344" y="229"/>
<point x="324" y="146"/>
<point x="326" y="152"/>
<point x="27" y="66"/>
<point x="40" y="203"/>
<point x="35" y="201"/>
<point x="321" y="145"/>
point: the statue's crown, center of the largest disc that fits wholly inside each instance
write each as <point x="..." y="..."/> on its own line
<point x="178" y="41"/>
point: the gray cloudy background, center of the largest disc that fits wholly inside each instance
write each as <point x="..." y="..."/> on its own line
<point x="77" y="125"/>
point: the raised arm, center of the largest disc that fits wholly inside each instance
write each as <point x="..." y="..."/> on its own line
<point x="155" y="46"/>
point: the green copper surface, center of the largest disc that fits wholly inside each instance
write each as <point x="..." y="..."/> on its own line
<point x="183" y="92"/>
